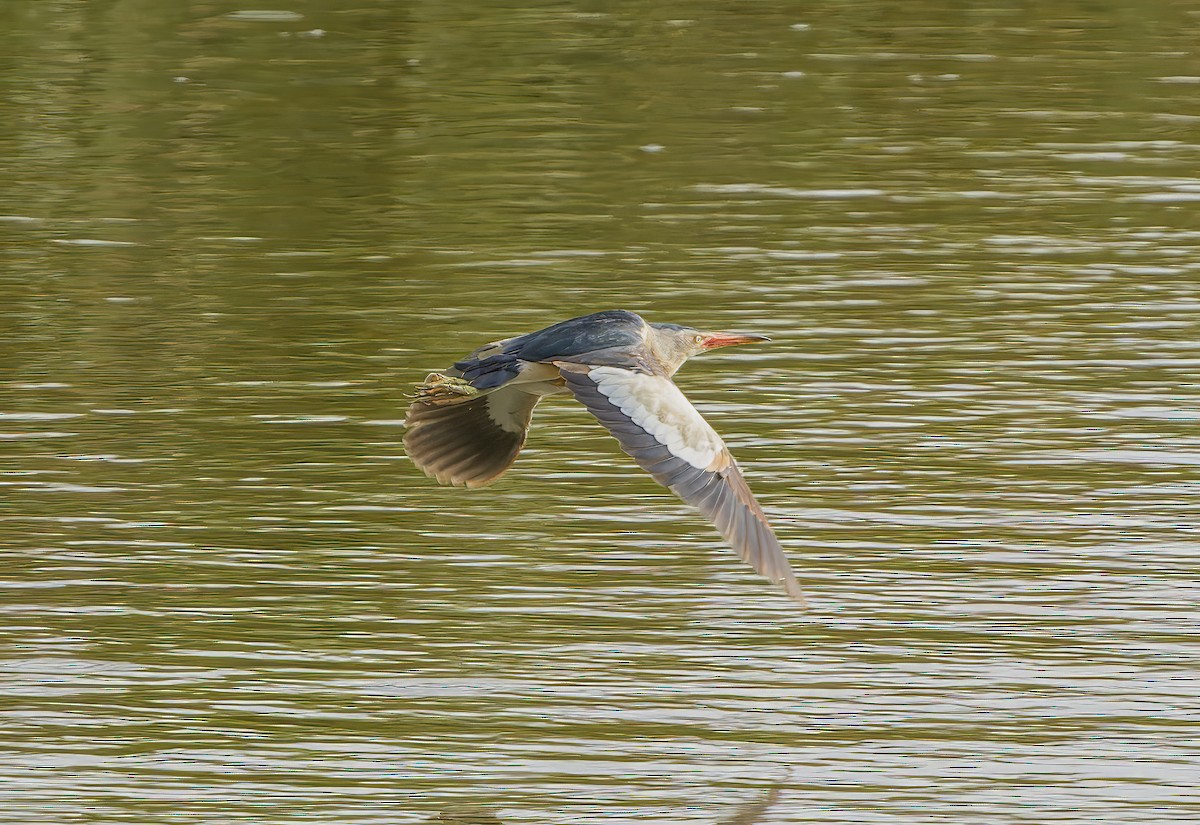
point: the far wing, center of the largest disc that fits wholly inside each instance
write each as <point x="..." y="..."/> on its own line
<point x="665" y="434"/>
<point x="460" y="436"/>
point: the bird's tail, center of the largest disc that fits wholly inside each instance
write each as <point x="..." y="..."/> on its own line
<point x="462" y="436"/>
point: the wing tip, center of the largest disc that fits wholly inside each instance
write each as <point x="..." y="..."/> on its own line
<point x="470" y="483"/>
<point x="792" y="587"/>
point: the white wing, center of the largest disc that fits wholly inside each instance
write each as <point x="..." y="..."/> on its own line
<point x="667" y="436"/>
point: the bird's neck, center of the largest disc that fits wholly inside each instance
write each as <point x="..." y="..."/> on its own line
<point x="663" y="364"/>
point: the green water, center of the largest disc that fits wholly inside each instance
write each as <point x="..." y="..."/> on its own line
<point x="230" y="245"/>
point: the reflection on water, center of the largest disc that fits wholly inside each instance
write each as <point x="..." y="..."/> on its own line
<point x="754" y="811"/>
<point x="233" y="239"/>
<point x="747" y="814"/>
<point x="467" y="816"/>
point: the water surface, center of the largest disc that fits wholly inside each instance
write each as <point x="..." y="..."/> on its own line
<point x="232" y="238"/>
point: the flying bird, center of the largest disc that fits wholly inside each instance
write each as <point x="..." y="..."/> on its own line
<point x="467" y="425"/>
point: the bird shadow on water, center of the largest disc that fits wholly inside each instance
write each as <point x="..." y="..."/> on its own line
<point x="748" y="813"/>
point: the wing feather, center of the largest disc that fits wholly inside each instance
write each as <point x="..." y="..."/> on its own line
<point x="466" y="439"/>
<point x="668" y="438"/>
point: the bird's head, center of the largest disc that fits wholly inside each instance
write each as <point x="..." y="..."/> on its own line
<point x="676" y="344"/>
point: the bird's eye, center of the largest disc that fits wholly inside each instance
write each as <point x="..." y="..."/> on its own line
<point x="699" y="339"/>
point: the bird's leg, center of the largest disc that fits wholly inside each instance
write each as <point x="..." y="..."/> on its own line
<point x="444" y="389"/>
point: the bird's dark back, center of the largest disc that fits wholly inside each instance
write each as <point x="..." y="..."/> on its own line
<point x="610" y="337"/>
<point x="577" y="336"/>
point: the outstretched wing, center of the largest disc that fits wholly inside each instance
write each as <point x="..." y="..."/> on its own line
<point x="665" y="434"/>
<point x="461" y="436"/>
